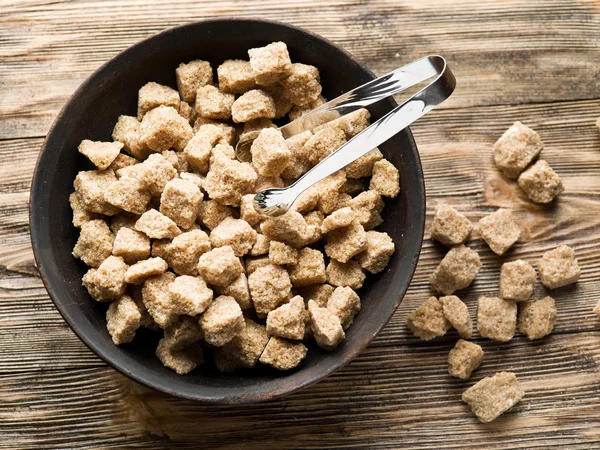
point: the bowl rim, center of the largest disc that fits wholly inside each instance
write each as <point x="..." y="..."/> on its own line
<point x="249" y="398"/>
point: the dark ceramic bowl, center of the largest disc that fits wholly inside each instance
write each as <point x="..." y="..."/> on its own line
<point x="91" y="114"/>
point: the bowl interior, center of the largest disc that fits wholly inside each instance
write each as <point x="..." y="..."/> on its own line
<point x="91" y="114"/>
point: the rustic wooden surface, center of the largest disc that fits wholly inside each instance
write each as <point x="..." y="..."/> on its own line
<point x="529" y="60"/>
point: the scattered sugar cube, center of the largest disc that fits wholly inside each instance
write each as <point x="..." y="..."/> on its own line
<point x="123" y="219"/>
<point x="185" y="110"/>
<point x="141" y="270"/>
<point x="363" y="166"/>
<point x="289" y="228"/>
<point x="184" y="251"/>
<point x="255" y="262"/>
<point x="270" y="154"/>
<point x="345" y="274"/>
<point x="220" y="266"/>
<point x="254" y="104"/>
<point x="377" y="252"/>
<point x="338" y="219"/>
<point x="319" y="293"/>
<point x="238" y="289"/>
<point x="449" y="226"/>
<point x="199" y="148"/>
<point x="302" y="85"/>
<point x="247" y="211"/>
<point x="102" y="154"/>
<point x="127" y="131"/>
<point x="211" y="103"/>
<point x="155" y="173"/>
<point x="329" y="192"/>
<point x="517" y="280"/>
<point x="182" y="361"/>
<point x="345" y="304"/>
<point x="262" y="246"/>
<point x="107" y="282"/>
<point x="183" y="332"/>
<point x="541" y="183"/>
<point x="244" y="349"/>
<point x="516" y="149"/>
<point x="131" y="245"/>
<point x="499" y="231"/>
<point x="163" y="128"/>
<point x="326" y="327"/>
<point x="496" y="318"/>
<point x="157" y="299"/>
<point x="537" y="319"/>
<point x="153" y="95"/>
<point x="288" y="320"/>
<point x="128" y="194"/>
<point x="90" y="187"/>
<point x="368" y="206"/>
<point x="386" y="179"/>
<point x="457" y="313"/>
<point x="344" y="243"/>
<point x="559" y="267"/>
<point x="270" y="63"/>
<point x="177" y="160"/>
<point x="192" y="76"/>
<point x="190" y="294"/>
<point x="180" y="201"/>
<point x="269" y="287"/>
<point x="456" y="271"/>
<point x="492" y="396"/>
<point x="212" y="213"/>
<point x="322" y="144"/>
<point x="298" y="164"/>
<point x="464" y="358"/>
<point x="122" y="160"/>
<point x="428" y="320"/>
<point x="236" y="76"/>
<point x="95" y="243"/>
<point x="314" y="221"/>
<point x="228" y="181"/>
<point x="310" y="268"/>
<point x="235" y="233"/>
<point x="283" y="254"/>
<point x="80" y="214"/>
<point x="283" y="354"/>
<point x="156" y="225"/>
<point x="222" y="321"/>
<point x="122" y="320"/>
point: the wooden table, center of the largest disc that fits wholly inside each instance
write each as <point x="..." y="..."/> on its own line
<point x="532" y="60"/>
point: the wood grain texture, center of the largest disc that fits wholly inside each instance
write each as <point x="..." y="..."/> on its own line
<point x="534" y="61"/>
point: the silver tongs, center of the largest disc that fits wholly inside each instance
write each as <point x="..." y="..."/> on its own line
<point x="276" y="201"/>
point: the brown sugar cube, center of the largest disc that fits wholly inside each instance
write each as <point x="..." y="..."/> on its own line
<point x="516" y="148"/>
<point x="302" y="85"/>
<point x="160" y="248"/>
<point x="343" y="201"/>
<point x="269" y="287"/>
<point x="322" y="144"/>
<point x="270" y="154"/>
<point x="262" y="246"/>
<point x="307" y="200"/>
<point x="253" y="263"/>
<point x="283" y="354"/>
<point x="319" y="293"/>
<point x="270" y="63"/>
<point x="363" y="166"/>
<point x="235" y="233"/>
<point x="177" y="160"/>
<point x="559" y="267"/>
<point x="310" y="268"/>
<point x="386" y="179"/>
<point x="338" y="219"/>
<point x="183" y="332"/>
<point x="122" y="220"/>
<point x="122" y="320"/>
<point x="351" y="124"/>
<point x="211" y="103"/>
<point x="212" y="213"/>
<point x="345" y="304"/>
<point x="314" y="221"/>
<point x="107" y="282"/>
<point x="263" y="182"/>
<point x="288" y="320"/>
<point x="155" y="173"/>
<point x="153" y="95"/>
<point x="90" y="187"/>
<point x="221" y="321"/>
<point x="496" y="318"/>
<point x="517" y="280"/>
<point x="283" y="254"/>
<point x="199" y="149"/>
<point x="185" y="110"/>
<point x="378" y="250"/>
<point x="456" y="271"/>
<point x="102" y="154"/>
<point x="156" y="225"/>
<point x="254" y="104"/>
<point x="220" y="266"/>
<point x="499" y="231"/>
<point x="449" y="226"/>
<point x="345" y="274"/>
<point x="492" y="396"/>
<point x="537" y="319"/>
<point x="190" y="294"/>
<point x="127" y="131"/>
<point x="140" y="271"/>
<point x="428" y="320"/>
<point x="235" y="76"/>
<point x="289" y="228"/>
<point x="80" y="214"/>
<point x="163" y="128"/>
<point x="128" y="194"/>
<point x="457" y="313"/>
<point x="257" y="125"/>
<point x="247" y="211"/>
<point x="298" y="111"/>
<point x="131" y="245"/>
<point x="344" y="243"/>
<point x="95" y="243"/>
<point x="368" y="206"/>
<point x="182" y="361"/>
<point x="541" y="183"/>
<point x="157" y="299"/>
<point x="238" y="289"/>
<point x="122" y="160"/>
<point x="195" y="178"/>
<point x="282" y="102"/>
<point x="464" y="358"/>
<point x="192" y="76"/>
<point x="184" y="251"/>
<point x="329" y="191"/>
<point x="326" y="327"/>
<point x="180" y="202"/>
<point x="245" y="348"/>
<point x="228" y="181"/>
<point x="146" y="320"/>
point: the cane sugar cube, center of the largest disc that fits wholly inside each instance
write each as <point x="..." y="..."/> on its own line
<point x="344" y="243"/>
<point x="132" y="245"/>
<point x="283" y="354"/>
<point x="128" y="194"/>
<point x="177" y="160"/>
<point x="228" y="181"/>
<point x="310" y="268"/>
<point x="141" y="270"/>
<point x="122" y="320"/>
<point x="221" y="151"/>
<point x="464" y="358"/>
<point x="559" y="267"/>
<point x="235" y="76"/>
<point x="220" y="266"/>
<point x="254" y="104"/>
<point x="351" y="124"/>
<point x="499" y="231"/>
<point x="199" y="148"/>
<point x="254" y="262"/>
<point x="222" y="321"/>
<point x="211" y="103"/>
<point x="262" y="246"/>
<point x="516" y="149"/>
<point x="378" y="250"/>
<point x="496" y="318"/>
<point x="303" y="84"/>
<point x="121" y="161"/>
<point x="288" y="320"/>
<point x="153" y="95"/>
<point x="122" y="220"/>
<point x="345" y="304"/>
<point x="537" y="319"/>
<point x="157" y="299"/>
<point x="492" y="396"/>
<point x="156" y="225"/>
<point x="182" y="361"/>
<point x="107" y="282"/>
<point x="102" y="154"/>
<point x="329" y="192"/>
<point x="269" y="286"/>
<point x="127" y="131"/>
<point x="212" y="213"/>
<point x="298" y="164"/>
<point x="314" y="221"/>
<point x="238" y="289"/>
<point x="338" y="219"/>
<point x="368" y="206"/>
<point x="345" y="274"/>
<point x="363" y="166"/>
<point x="289" y="228"/>
<point x="191" y="76"/>
<point x="457" y="313"/>
<point x="95" y="243"/>
<point x="180" y="201"/>
<point x="270" y="63"/>
<point x="163" y="128"/>
<point x="155" y="173"/>
<point x="298" y="111"/>
<point x="183" y="332"/>
<point x="283" y="254"/>
<point x="386" y="179"/>
<point x="247" y="211"/>
<point x="190" y="294"/>
<point x="326" y="327"/>
<point x="80" y="214"/>
<point x="90" y="187"/>
<point x="185" y="110"/>
<point x="184" y="251"/>
<point x="270" y="154"/>
<point x="428" y="320"/>
<point x="322" y="144"/>
<point x="541" y="183"/>
<point x="456" y="271"/>
<point x="236" y="233"/>
<point x="245" y="348"/>
<point x="449" y="226"/>
<point x="517" y="280"/>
